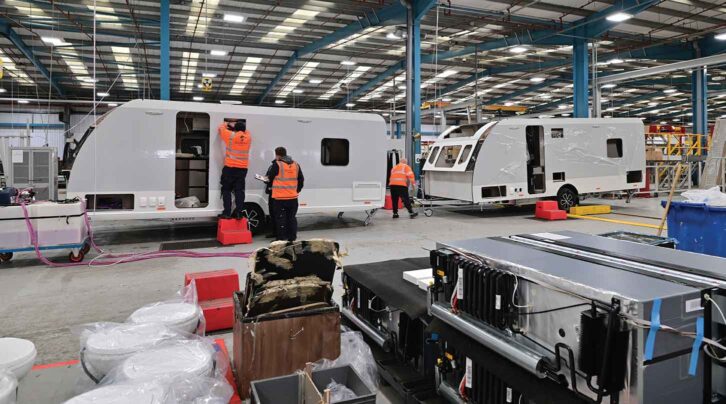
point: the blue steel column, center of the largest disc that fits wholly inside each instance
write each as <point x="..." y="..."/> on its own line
<point x="416" y="111"/>
<point x="580" y="79"/>
<point x="699" y="101"/>
<point x="164" y="47"/>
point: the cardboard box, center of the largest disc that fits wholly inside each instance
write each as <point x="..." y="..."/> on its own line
<point x="653" y="153"/>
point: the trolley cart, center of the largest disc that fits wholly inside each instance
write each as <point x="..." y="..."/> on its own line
<point x="58" y="225"/>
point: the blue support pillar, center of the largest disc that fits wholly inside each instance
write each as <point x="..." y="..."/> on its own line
<point x="699" y="101"/>
<point x="580" y="79"/>
<point x="416" y="93"/>
<point x="165" y="93"/>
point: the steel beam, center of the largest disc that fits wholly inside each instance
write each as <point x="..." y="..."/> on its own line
<point x="699" y="101"/>
<point x="580" y="81"/>
<point x="165" y="92"/>
<point x="687" y="64"/>
<point x="8" y="32"/>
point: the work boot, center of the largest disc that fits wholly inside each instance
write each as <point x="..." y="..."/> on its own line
<point x="395" y="215"/>
<point x="413" y="214"/>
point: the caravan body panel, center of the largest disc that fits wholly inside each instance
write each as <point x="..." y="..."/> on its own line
<point x="132" y="152"/>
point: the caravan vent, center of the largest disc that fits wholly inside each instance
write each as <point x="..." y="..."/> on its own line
<point x="494" y="192"/>
<point x="634" y="176"/>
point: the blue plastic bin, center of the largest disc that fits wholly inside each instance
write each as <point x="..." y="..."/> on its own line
<point x="698" y="227"/>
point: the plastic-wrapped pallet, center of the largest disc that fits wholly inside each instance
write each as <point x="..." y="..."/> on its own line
<point x="184" y="390"/>
<point x="181" y="313"/>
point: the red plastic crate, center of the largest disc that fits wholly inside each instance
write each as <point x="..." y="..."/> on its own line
<point x="233" y="231"/>
<point x="552" y="215"/>
<point x="214" y="284"/>
<point x="218" y="313"/>
<point x="388" y="204"/>
<point x="545" y="205"/>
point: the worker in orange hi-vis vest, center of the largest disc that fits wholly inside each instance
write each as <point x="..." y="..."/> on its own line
<point x="401" y="176"/>
<point x="287" y="181"/>
<point x="237" y="142"/>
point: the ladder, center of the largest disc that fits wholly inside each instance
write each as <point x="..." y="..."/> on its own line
<point x="713" y="169"/>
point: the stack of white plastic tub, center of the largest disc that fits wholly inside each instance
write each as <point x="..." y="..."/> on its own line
<point x="17" y="357"/>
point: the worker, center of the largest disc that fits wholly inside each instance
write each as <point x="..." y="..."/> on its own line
<point x="287" y="182"/>
<point x="268" y="191"/>
<point x="401" y="177"/>
<point x="236" y="160"/>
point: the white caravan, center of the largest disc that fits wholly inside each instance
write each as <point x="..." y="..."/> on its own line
<point x="521" y="160"/>
<point x="145" y="154"/>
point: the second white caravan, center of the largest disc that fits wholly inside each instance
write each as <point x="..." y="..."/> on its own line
<point x="144" y="155"/>
<point x="522" y="160"/>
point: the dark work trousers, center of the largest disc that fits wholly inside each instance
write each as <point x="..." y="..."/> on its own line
<point x="285" y="220"/>
<point x="271" y="209"/>
<point x="399" y="191"/>
<point x="233" y="180"/>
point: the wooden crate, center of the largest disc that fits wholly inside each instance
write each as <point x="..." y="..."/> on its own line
<point x="268" y="346"/>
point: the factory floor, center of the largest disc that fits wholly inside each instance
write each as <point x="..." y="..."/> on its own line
<point x="43" y="304"/>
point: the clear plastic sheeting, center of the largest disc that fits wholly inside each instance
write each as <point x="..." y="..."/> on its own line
<point x="182" y="313"/>
<point x="354" y="352"/>
<point x="339" y="392"/>
<point x="8" y="387"/>
<point x="193" y="358"/>
<point x="106" y="345"/>
<point x="712" y="196"/>
<point x="200" y="390"/>
<point x="150" y="392"/>
<point x="188" y="202"/>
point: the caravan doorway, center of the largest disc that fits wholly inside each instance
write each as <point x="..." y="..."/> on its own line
<point x="535" y="160"/>
<point x="192" y="159"/>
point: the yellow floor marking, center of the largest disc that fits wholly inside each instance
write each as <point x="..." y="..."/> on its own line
<point x="602" y="219"/>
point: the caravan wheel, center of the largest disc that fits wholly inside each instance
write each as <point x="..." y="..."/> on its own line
<point x="567" y="197"/>
<point x="255" y="217"/>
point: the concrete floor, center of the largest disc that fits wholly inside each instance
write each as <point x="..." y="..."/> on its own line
<point x="44" y="304"/>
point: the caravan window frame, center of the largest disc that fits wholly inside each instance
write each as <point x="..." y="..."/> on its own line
<point x="443" y="153"/>
<point x="618" y="143"/>
<point x="326" y="156"/>
<point x="434" y="153"/>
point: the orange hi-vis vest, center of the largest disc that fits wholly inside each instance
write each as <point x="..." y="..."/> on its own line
<point x="237" y="147"/>
<point x="284" y="185"/>
<point x="399" y="174"/>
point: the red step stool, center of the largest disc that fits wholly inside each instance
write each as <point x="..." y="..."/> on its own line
<point x="214" y="292"/>
<point x="233" y="231"/>
<point x="549" y="210"/>
<point x="388" y="204"/>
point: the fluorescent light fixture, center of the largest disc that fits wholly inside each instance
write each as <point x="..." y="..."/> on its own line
<point x="315" y="81"/>
<point x="565" y="115"/>
<point x="537" y="79"/>
<point x="652" y="104"/>
<point x="210" y="75"/>
<point x="393" y="36"/>
<point x="508" y="104"/>
<point x="234" y="17"/>
<point x="619" y="17"/>
<point x="198" y="98"/>
<point x="279" y="101"/>
<point x="349" y="105"/>
<point x="670" y="90"/>
<point x="230" y="102"/>
<point x="447" y="73"/>
<point x="609" y="85"/>
<point x="347" y="62"/>
<point x="102" y="94"/>
<point x="663" y="123"/>
<point x="402" y="87"/>
<point x="545" y="116"/>
<point x="545" y="96"/>
<point x="112" y="104"/>
<point x="23" y="101"/>
<point x="385" y="114"/>
<point x="616" y="61"/>
<point x="218" y="52"/>
<point x="721" y="36"/>
<point x="446" y="99"/>
<point x="563" y="106"/>
<point x="89" y="80"/>
<point x="2" y="90"/>
<point x="199" y="85"/>
<point x="53" y="40"/>
<point x="297" y="91"/>
<point x="518" y="49"/>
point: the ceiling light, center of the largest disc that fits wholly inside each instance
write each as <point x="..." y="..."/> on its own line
<point x="112" y="104"/>
<point x="315" y="81"/>
<point x="234" y="17"/>
<point x="721" y="36"/>
<point x="393" y="36"/>
<point x="2" y="90"/>
<point x="508" y="104"/>
<point x="609" y="85"/>
<point x="297" y="91"/>
<point x="670" y="91"/>
<point x="102" y="94"/>
<point x="230" y="102"/>
<point x="446" y="99"/>
<point x="402" y="87"/>
<point x="279" y="101"/>
<point x="23" y="101"/>
<point x="619" y="17"/>
<point x="349" y="105"/>
<point x="198" y="98"/>
<point x="347" y="62"/>
<point x="545" y="96"/>
<point x="652" y="104"/>
<point x="518" y="49"/>
<point x="537" y="79"/>
<point x="565" y="115"/>
<point x="616" y="61"/>
<point x="663" y="122"/>
<point x="89" y="80"/>
<point x="210" y="75"/>
<point x="562" y="106"/>
<point x="545" y="116"/>
<point x="218" y="52"/>
<point x="53" y="41"/>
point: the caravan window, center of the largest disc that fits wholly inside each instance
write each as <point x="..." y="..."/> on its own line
<point x="465" y="154"/>
<point x="432" y="157"/>
<point x="615" y="148"/>
<point x="448" y="155"/>
<point x="335" y="152"/>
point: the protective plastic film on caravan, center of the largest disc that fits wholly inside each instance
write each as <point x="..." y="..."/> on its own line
<point x="449" y="167"/>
